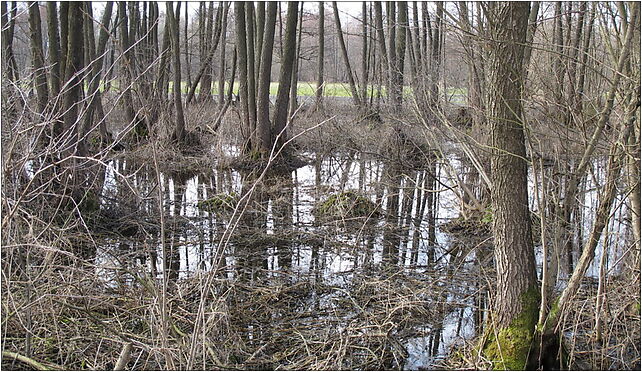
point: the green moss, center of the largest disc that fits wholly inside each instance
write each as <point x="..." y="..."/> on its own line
<point x="509" y="347"/>
<point x="219" y="203"/>
<point x="347" y="204"/>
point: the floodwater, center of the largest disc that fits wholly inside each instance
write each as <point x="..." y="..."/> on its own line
<point x="274" y="235"/>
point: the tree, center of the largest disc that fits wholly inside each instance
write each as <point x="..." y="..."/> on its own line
<point x="74" y="80"/>
<point x="396" y="87"/>
<point x="223" y="36"/>
<point x="263" y="106"/>
<point x="8" y="28"/>
<point x="37" y="56"/>
<point x="127" y="64"/>
<point x="179" y="130"/>
<point x="96" y="58"/>
<point x="54" y="48"/>
<point x="241" y="48"/>
<point x="344" y="53"/>
<point x="279" y="132"/>
<point x="321" y="55"/>
<point x="516" y="301"/>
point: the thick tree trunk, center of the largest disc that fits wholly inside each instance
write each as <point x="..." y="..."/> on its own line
<point x="74" y="81"/>
<point x="263" y="116"/>
<point x="279" y="133"/>
<point x="64" y="34"/>
<point x="241" y="48"/>
<point x="517" y="298"/>
<point x="127" y="78"/>
<point x="54" y="48"/>
<point x="179" y="129"/>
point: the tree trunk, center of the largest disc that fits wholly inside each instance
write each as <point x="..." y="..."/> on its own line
<point x="206" y="67"/>
<point x="54" y="48"/>
<point x="37" y="57"/>
<point x="294" y="84"/>
<point x="364" y="52"/>
<point x="221" y="74"/>
<point x="263" y="116"/>
<point x="97" y="58"/>
<point x="517" y="298"/>
<point x="279" y="132"/>
<point x="188" y="65"/>
<point x="64" y="34"/>
<point x="73" y="79"/>
<point x="321" y="55"/>
<point x="258" y="42"/>
<point x="179" y="131"/>
<point x="241" y="49"/>
<point x="251" y="64"/>
<point x="344" y="53"/>
<point x="206" y="44"/>
<point x="8" y="28"/>
<point x="127" y="78"/>
<point x="400" y="52"/>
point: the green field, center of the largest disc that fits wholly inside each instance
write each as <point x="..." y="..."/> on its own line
<point x="308" y="89"/>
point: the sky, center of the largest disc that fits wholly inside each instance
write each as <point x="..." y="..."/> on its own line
<point x="347" y="9"/>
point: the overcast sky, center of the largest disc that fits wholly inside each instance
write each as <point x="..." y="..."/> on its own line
<point x="347" y="9"/>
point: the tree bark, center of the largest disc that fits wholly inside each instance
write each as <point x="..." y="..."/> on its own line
<point x="37" y="57"/>
<point x="241" y="49"/>
<point x="263" y="107"/>
<point x="344" y="53"/>
<point x="294" y="84"/>
<point x="54" y="48"/>
<point x="400" y="52"/>
<point x="251" y="64"/>
<point x="8" y="30"/>
<point x="97" y="58"/>
<point x="127" y="64"/>
<point x="279" y="132"/>
<point x="517" y="297"/>
<point x="206" y="44"/>
<point x="221" y="74"/>
<point x="321" y="56"/>
<point x="179" y="130"/>
<point x="74" y="81"/>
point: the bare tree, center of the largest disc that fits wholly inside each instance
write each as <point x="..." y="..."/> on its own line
<point x="321" y="56"/>
<point x="179" y="129"/>
<point x="344" y="53"/>
<point x="37" y="56"/>
<point x="279" y="132"/>
<point x="517" y="297"/>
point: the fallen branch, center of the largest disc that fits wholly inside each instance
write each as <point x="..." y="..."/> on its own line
<point x="26" y="360"/>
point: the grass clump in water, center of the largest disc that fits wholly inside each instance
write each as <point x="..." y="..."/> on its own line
<point x="346" y="204"/>
<point x="219" y="203"/>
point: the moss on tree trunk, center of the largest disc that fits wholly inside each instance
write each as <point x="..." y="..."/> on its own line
<point x="510" y="347"/>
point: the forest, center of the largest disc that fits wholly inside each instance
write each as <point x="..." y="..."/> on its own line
<point x="320" y="185"/>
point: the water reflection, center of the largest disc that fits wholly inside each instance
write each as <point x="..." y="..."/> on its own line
<point x="262" y="230"/>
